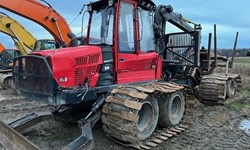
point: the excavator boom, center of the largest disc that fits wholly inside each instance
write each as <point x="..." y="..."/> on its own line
<point x="23" y="39"/>
<point x="45" y="16"/>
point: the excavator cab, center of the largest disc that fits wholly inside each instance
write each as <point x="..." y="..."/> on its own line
<point x="44" y="44"/>
<point x="8" y="56"/>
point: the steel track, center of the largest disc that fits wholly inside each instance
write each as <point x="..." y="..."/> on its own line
<point x="213" y="87"/>
<point x="120" y="114"/>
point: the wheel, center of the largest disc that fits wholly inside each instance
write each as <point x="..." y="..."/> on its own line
<point x="172" y="109"/>
<point x="148" y="118"/>
<point x="231" y="88"/>
<point x="128" y="124"/>
<point x="8" y="83"/>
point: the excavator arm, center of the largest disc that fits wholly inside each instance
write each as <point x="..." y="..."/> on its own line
<point x="23" y="39"/>
<point x="45" y="16"/>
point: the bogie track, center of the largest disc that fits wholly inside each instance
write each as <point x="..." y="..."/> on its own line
<point x="217" y="88"/>
<point x="130" y="114"/>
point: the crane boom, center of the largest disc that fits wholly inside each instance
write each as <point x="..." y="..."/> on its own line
<point x="165" y="14"/>
<point x="45" y="16"/>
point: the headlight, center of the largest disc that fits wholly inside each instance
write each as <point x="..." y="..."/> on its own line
<point x="63" y="79"/>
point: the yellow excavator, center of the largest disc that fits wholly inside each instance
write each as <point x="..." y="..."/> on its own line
<point x="24" y="41"/>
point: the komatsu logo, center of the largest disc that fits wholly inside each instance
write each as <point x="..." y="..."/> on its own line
<point x="108" y="61"/>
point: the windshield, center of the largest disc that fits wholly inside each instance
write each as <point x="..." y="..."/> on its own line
<point x="8" y="55"/>
<point x="101" y="27"/>
<point x="45" y="45"/>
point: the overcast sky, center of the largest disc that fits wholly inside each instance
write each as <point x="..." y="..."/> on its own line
<point x="231" y="16"/>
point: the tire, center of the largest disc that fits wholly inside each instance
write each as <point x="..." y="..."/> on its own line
<point x="172" y="109"/>
<point x="148" y="118"/>
<point x="123" y="129"/>
<point x="8" y="83"/>
<point x="231" y="88"/>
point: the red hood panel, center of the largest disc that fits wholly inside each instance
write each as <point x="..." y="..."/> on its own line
<point x="61" y="52"/>
<point x="71" y="66"/>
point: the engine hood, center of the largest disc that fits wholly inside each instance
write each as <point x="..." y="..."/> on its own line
<point x="68" y="52"/>
<point x="71" y="66"/>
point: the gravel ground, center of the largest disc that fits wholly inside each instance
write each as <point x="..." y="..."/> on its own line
<point x="213" y="127"/>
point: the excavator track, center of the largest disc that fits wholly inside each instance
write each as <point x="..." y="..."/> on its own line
<point x="217" y="88"/>
<point x="121" y="114"/>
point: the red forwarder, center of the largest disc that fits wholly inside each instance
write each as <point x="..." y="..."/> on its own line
<point x="127" y="61"/>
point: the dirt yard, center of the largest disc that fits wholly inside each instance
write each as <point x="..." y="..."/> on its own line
<point x="213" y="127"/>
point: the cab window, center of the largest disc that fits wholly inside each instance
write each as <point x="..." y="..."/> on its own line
<point x="126" y="28"/>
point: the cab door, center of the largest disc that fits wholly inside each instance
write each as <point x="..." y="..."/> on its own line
<point x="147" y="56"/>
<point x="127" y="55"/>
<point x="136" y="57"/>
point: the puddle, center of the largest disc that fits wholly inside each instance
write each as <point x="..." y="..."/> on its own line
<point x="245" y="126"/>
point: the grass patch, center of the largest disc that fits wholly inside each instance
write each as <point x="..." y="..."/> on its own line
<point x="245" y="91"/>
<point x="243" y="60"/>
<point x="242" y="67"/>
<point x="237" y="105"/>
